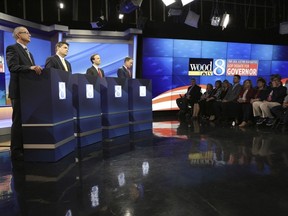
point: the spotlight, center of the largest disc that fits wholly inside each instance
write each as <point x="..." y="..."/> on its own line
<point x="121" y="16"/>
<point x="225" y="20"/>
<point x="99" y="23"/>
<point x="215" y="21"/>
<point x="168" y="2"/>
<point x="61" y="5"/>
<point x="185" y="2"/>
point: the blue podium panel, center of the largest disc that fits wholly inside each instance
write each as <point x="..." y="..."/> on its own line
<point x="47" y="115"/>
<point x="140" y="104"/>
<point x="87" y="109"/>
<point x="114" y="104"/>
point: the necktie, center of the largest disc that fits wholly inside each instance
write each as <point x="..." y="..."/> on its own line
<point x="28" y="53"/>
<point x="99" y="72"/>
<point x="129" y="72"/>
<point x="64" y="64"/>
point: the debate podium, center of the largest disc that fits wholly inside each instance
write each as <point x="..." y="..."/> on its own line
<point x="86" y="109"/>
<point x="140" y="105"/>
<point x="114" y="105"/>
<point x="47" y="116"/>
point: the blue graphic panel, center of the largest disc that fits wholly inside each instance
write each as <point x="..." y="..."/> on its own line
<point x="212" y="49"/>
<point x="280" y="52"/>
<point x="261" y="52"/>
<point x="157" y="47"/>
<point x="264" y="68"/>
<point x="238" y="51"/>
<point x="157" y="66"/>
<point x="178" y="81"/>
<point x="160" y="84"/>
<point x="187" y="48"/>
<point x="180" y="66"/>
<point x="280" y="67"/>
<point x="80" y="53"/>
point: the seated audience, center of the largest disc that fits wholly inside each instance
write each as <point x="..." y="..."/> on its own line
<point x="193" y="95"/>
<point x="227" y="106"/>
<point x="245" y="107"/>
<point x="280" y="112"/>
<point x="206" y="106"/>
<point x="261" y="109"/>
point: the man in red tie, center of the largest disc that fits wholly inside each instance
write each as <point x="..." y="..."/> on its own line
<point x="125" y="70"/>
<point x="95" y="70"/>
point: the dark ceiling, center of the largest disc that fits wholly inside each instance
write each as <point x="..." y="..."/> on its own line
<point x="260" y="18"/>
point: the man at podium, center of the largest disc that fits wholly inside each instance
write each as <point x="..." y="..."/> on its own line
<point x="58" y="61"/>
<point x="19" y="60"/>
<point x="95" y="70"/>
<point x="125" y="70"/>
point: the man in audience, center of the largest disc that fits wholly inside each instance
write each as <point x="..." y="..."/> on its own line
<point x="229" y="102"/>
<point x="280" y="112"/>
<point x="261" y="109"/>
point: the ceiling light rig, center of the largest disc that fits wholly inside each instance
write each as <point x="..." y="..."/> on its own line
<point x="225" y="20"/>
<point x="168" y="2"/>
<point x="216" y="18"/>
<point x="185" y="2"/>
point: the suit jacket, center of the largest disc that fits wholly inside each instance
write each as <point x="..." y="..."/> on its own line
<point x="123" y="73"/>
<point x="18" y="62"/>
<point x="195" y="93"/>
<point x="55" y="62"/>
<point x="233" y="93"/>
<point x="92" y="71"/>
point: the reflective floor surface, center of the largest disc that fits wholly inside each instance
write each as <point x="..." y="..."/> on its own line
<point x="178" y="169"/>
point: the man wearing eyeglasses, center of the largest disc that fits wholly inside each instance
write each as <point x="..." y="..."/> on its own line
<point x="19" y="60"/>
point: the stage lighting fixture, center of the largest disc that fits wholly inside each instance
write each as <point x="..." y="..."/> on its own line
<point x="225" y="20"/>
<point x="99" y="23"/>
<point x="121" y="16"/>
<point x="215" y="21"/>
<point x="174" y="12"/>
<point x="185" y="2"/>
<point x="283" y="28"/>
<point x="192" y="19"/>
<point x="127" y="6"/>
<point x="168" y="2"/>
<point x="61" y="5"/>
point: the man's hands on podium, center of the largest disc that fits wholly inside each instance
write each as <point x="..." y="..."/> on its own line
<point x="37" y="69"/>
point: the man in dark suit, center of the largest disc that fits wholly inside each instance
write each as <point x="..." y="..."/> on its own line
<point x="125" y="70"/>
<point x="95" y="70"/>
<point x="19" y="60"/>
<point x="226" y="109"/>
<point x="58" y="61"/>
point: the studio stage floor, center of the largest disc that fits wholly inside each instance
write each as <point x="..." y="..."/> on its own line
<point x="177" y="169"/>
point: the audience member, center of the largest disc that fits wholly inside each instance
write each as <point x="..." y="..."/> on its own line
<point x="245" y="107"/>
<point x="261" y="109"/>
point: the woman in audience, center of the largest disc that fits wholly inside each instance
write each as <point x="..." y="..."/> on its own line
<point x="215" y="96"/>
<point x="203" y="99"/>
<point x="245" y="107"/>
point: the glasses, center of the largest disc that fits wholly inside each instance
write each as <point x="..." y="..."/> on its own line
<point x="24" y="33"/>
